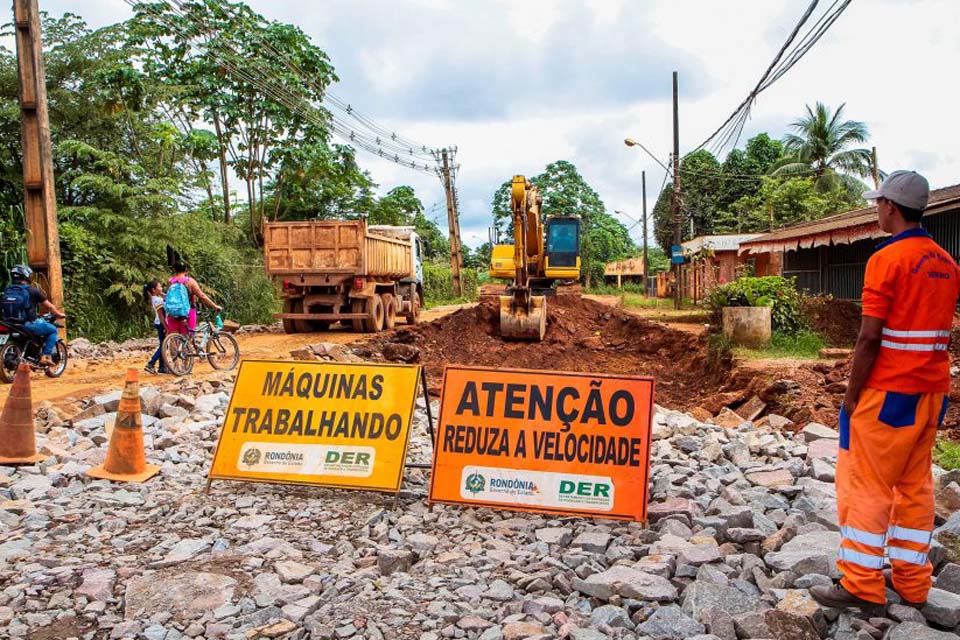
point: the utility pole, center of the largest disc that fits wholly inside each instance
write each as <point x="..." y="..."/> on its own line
<point x="677" y="237"/>
<point x="456" y="259"/>
<point x="646" y="263"/>
<point x="40" y="203"/>
<point x="874" y="168"/>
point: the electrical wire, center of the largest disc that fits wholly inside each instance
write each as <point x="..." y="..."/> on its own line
<point x="404" y="143"/>
<point x="277" y="91"/>
<point x="786" y="58"/>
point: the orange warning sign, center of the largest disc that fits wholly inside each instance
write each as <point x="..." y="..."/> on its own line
<point x="331" y="424"/>
<point x="545" y="441"/>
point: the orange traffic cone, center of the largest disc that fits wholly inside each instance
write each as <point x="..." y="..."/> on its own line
<point x="126" y="461"/>
<point x="18" y="442"/>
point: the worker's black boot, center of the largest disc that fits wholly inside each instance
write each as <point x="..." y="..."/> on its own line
<point x="836" y="597"/>
<point x="888" y="578"/>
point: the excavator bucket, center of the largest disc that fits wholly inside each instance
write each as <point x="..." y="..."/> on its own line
<point x="523" y="322"/>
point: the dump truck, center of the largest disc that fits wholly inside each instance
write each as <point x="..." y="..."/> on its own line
<point x="364" y="276"/>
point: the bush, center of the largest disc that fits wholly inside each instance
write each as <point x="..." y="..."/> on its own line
<point x="769" y="291"/>
<point x="105" y="267"/>
<point x="438" y="284"/>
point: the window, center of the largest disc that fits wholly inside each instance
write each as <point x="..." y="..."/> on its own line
<point x="562" y="236"/>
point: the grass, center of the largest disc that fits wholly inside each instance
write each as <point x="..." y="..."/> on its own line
<point x="947" y="455"/>
<point x="806" y="344"/>
<point x="432" y="304"/>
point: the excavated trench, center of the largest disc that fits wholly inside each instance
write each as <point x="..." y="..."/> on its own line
<point x="582" y="335"/>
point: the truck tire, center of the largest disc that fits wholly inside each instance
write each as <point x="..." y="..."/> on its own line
<point x="374" y="310"/>
<point x="288" y="324"/>
<point x="357" y="307"/>
<point x="413" y="317"/>
<point x="389" y="311"/>
<point x="301" y="326"/>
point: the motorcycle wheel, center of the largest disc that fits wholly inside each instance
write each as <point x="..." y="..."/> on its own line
<point x="59" y="361"/>
<point x="10" y="356"/>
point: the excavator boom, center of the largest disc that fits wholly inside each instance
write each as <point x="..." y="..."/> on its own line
<point x="523" y="316"/>
<point x="541" y="255"/>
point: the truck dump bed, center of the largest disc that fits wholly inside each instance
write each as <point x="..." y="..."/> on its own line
<point x="342" y="247"/>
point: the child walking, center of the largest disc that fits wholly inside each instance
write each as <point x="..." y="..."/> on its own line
<point x="153" y="294"/>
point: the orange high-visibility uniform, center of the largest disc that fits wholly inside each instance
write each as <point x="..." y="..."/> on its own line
<point x="884" y="479"/>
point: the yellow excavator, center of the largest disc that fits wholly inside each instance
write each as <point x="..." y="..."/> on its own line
<point x="538" y="259"/>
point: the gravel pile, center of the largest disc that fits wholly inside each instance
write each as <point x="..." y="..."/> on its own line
<point x="743" y="523"/>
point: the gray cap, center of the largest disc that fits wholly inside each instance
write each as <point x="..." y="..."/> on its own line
<point x="906" y="188"/>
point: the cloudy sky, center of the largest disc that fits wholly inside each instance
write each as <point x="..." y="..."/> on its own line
<point x="516" y="85"/>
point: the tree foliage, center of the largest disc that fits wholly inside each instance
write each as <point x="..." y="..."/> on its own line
<point x="824" y="146"/>
<point x="763" y="186"/>
<point x="149" y="134"/>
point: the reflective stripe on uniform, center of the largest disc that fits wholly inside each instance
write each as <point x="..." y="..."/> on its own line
<point x="938" y="333"/>
<point x="906" y="555"/>
<point x="863" y="559"/>
<point x="910" y="535"/>
<point x="904" y="346"/>
<point x="863" y="537"/>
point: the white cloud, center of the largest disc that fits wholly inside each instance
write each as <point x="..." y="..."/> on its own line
<point x="519" y="84"/>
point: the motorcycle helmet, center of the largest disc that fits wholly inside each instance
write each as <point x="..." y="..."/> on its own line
<point x="21" y="272"/>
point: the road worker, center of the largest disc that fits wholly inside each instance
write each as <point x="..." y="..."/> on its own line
<point x="896" y="398"/>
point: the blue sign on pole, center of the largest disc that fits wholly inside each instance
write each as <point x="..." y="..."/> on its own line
<point x="676" y="254"/>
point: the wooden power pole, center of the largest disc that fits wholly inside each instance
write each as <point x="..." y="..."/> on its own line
<point x="677" y="237"/>
<point x="40" y="204"/>
<point x="453" y="223"/>
<point x="646" y="263"/>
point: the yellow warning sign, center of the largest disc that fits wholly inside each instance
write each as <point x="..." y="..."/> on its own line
<point x="331" y="424"/>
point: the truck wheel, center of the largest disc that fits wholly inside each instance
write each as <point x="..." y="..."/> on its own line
<point x="301" y="326"/>
<point x="374" y="310"/>
<point x="357" y="307"/>
<point x="288" y="324"/>
<point x="389" y="311"/>
<point x="414" y="316"/>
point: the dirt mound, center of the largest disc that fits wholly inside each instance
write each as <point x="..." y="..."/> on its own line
<point x="582" y="335"/>
<point x="838" y="321"/>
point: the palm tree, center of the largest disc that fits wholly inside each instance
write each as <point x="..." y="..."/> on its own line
<point x="821" y="148"/>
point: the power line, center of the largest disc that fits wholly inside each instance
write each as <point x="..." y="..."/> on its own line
<point x="785" y="59"/>
<point x="277" y="91"/>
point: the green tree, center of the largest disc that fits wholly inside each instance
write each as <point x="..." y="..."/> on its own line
<point x="319" y="181"/>
<point x="658" y="259"/>
<point x="399" y="207"/>
<point x="782" y="202"/>
<point x="254" y="132"/>
<point x="481" y="257"/>
<point x="663" y="224"/>
<point x="701" y="180"/>
<point x="825" y="145"/>
<point x="436" y="242"/>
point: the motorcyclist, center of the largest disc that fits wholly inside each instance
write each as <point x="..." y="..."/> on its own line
<point x="20" y="303"/>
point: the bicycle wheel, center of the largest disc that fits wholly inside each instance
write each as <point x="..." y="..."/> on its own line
<point x="10" y="356"/>
<point x="223" y="352"/>
<point x="177" y="354"/>
<point x="59" y="361"/>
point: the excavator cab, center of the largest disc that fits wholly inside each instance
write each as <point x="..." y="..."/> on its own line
<point x="563" y="248"/>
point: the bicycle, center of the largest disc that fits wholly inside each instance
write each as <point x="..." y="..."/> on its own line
<point x="180" y="352"/>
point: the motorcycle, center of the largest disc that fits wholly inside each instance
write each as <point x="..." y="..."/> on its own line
<point x="19" y="345"/>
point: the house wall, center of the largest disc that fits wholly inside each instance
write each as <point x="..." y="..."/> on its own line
<point x="838" y="270"/>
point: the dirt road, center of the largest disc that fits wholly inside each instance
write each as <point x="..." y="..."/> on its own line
<point x="84" y="378"/>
